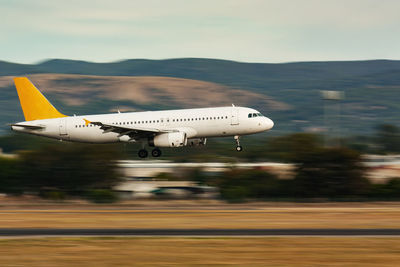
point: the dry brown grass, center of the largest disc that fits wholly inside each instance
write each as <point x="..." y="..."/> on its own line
<point x="282" y="251"/>
<point x="80" y="89"/>
<point x="235" y="251"/>
<point x="179" y="215"/>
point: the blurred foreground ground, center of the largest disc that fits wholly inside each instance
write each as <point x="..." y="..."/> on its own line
<point x="291" y="251"/>
<point x="185" y="214"/>
<point x="25" y="212"/>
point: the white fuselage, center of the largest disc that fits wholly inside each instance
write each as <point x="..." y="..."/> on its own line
<point x="196" y="123"/>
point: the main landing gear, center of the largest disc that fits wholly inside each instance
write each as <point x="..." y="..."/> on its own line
<point x="238" y="146"/>
<point x="156" y="152"/>
<point x="143" y="153"/>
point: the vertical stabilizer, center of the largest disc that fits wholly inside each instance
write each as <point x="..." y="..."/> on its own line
<point x="34" y="105"/>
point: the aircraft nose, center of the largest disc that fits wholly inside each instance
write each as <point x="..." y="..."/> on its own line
<point x="268" y="124"/>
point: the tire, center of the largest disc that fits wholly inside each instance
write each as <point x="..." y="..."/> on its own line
<point x="156" y="152"/>
<point x="143" y="153"/>
<point x="239" y="148"/>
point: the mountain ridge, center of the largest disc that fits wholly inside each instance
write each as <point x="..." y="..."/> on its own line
<point x="371" y="87"/>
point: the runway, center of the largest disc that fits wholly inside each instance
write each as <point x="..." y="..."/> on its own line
<point x="20" y="232"/>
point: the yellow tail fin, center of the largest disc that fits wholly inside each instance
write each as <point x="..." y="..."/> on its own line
<point x="34" y="105"/>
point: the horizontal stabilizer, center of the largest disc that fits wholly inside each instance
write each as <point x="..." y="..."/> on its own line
<point x="30" y="127"/>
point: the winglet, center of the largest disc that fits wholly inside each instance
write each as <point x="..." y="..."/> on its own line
<point x="87" y="122"/>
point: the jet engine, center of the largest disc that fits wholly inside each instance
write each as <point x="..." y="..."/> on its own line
<point x="197" y="141"/>
<point x="175" y="139"/>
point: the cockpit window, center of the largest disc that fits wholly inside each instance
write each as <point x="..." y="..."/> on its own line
<point x="253" y="115"/>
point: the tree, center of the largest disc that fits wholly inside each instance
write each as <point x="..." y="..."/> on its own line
<point x="238" y="185"/>
<point x="388" y="190"/>
<point x="330" y="172"/>
<point x="388" y="137"/>
<point x="10" y="174"/>
<point x="293" y="146"/>
<point x="71" y="168"/>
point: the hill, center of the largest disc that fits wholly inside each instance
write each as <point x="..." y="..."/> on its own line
<point x="371" y="87"/>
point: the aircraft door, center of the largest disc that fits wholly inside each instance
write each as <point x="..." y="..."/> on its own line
<point x="63" y="127"/>
<point x="234" y="116"/>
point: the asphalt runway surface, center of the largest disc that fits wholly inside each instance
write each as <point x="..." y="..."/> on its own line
<point x="15" y="232"/>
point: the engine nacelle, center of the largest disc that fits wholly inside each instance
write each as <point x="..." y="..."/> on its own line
<point x="169" y="140"/>
<point x="197" y="141"/>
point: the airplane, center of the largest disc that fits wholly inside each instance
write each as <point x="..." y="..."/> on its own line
<point x="167" y="128"/>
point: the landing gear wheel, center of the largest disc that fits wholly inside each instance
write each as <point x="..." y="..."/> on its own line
<point x="156" y="152"/>
<point x="238" y="146"/>
<point x="142" y="153"/>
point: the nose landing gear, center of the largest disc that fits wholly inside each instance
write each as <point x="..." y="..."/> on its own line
<point x="238" y="146"/>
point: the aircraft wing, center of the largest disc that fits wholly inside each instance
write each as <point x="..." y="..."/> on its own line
<point x="134" y="133"/>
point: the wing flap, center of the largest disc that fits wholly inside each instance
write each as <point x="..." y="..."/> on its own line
<point x="132" y="132"/>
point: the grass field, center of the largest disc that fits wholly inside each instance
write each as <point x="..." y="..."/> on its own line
<point x="184" y="215"/>
<point x="190" y="251"/>
<point x="290" y="251"/>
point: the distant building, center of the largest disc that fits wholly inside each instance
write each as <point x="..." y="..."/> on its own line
<point x="140" y="181"/>
<point x="150" y="168"/>
<point x="4" y="155"/>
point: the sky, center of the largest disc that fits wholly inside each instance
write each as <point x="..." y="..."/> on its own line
<point x="271" y="31"/>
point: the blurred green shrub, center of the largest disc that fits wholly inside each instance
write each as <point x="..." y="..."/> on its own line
<point x="10" y="176"/>
<point x="60" y="170"/>
<point x="330" y="173"/>
<point x="102" y="196"/>
<point x="238" y="185"/>
<point x="388" y="138"/>
<point x="387" y="191"/>
<point x="53" y="195"/>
